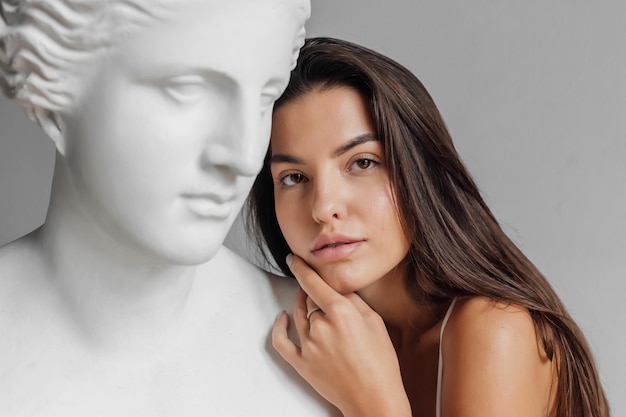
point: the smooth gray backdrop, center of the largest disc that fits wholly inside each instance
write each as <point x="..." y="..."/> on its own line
<point x="534" y="94"/>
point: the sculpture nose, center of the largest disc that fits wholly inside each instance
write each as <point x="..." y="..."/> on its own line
<point x="236" y="156"/>
<point x="243" y="140"/>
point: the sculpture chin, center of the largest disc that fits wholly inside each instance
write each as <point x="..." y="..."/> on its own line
<point x="192" y="257"/>
<point x="186" y="239"/>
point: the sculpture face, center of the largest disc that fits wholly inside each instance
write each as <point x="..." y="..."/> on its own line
<point x="172" y="128"/>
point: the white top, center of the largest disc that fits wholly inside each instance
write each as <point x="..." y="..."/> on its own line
<point x="440" y="363"/>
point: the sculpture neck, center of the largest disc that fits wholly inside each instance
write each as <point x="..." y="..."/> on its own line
<point x="110" y="288"/>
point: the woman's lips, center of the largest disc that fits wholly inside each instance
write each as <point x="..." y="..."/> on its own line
<point x="336" y="251"/>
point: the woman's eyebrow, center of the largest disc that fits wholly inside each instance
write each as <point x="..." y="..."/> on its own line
<point x="365" y="137"/>
<point x="280" y="157"/>
<point x="352" y="143"/>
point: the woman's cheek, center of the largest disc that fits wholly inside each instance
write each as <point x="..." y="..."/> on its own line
<point x="287" y="223"/>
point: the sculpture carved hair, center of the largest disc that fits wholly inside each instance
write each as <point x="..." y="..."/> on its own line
<point x="45" y="44"/>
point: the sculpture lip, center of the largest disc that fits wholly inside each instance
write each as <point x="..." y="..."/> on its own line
<point x="216" y="196"/>
<point x="209" y="205"/>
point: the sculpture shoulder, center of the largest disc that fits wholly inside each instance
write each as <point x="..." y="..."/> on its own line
<point x="14" y="254"/>
<point x="19" y="266"/>
<point x="223" y="349"/>
<point x="231" y="272"/>
<point x="237" y="323"/>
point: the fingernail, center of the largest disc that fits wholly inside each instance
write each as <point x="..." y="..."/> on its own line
<point x="280" y="315"/>
<point x="289" y="259"/>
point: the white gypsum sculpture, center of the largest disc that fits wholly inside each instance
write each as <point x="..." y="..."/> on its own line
<point x="125" y="303"/>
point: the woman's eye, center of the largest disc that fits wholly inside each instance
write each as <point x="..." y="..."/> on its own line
<point x="292" y="179"/>
<point x="363" y="164"/>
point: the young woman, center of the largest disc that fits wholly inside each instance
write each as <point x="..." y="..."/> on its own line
<point x="414" y="301"/>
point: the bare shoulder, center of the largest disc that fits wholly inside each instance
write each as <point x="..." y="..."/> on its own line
<point x="494" y="362"/>
<point x="480" y="318"/>
<point x="481" y="327"/>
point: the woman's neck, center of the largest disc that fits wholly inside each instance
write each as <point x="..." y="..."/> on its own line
<point x="406" y="319"/>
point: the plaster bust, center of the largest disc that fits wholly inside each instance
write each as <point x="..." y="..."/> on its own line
<point x="125" y="302"/>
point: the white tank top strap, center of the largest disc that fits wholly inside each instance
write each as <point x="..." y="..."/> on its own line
<point x="440" y="362"/>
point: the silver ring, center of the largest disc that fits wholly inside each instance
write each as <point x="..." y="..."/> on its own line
<point x="311" y="311"/>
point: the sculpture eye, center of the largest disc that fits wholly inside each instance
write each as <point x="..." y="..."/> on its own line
<point x="185" y="88"/>
<point x="268" y="97"/>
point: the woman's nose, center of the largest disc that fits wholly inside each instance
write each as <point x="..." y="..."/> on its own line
<point x="328" y="202"/>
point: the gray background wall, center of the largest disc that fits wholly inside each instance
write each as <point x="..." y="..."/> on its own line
<point x="534" y="94"/>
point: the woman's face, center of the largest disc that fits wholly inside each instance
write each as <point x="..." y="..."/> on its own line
<point x="333" y="197"/>
<point x="172" y="128"/>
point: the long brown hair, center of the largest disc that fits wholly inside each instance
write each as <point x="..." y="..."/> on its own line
<point x="458" y="249"/>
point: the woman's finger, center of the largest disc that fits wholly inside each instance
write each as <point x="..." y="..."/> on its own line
<point x="359" y="303"/>
<point x="281" y="342"/>
<point x="299" y="314"/>
<point x="311" y="308"/>
<point x="318" y="290"/>
<point x="310" y="303"/>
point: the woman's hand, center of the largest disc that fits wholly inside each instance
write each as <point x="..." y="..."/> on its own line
<point x="345" y="352"/>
